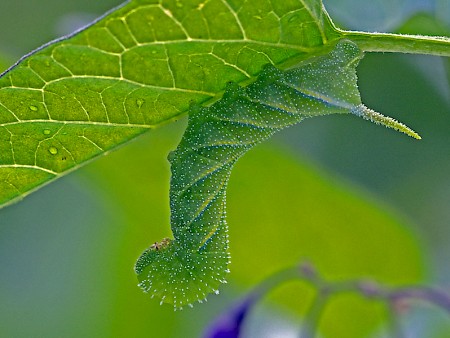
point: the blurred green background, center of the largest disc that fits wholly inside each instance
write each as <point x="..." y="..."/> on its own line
<point x="354" y="199"/>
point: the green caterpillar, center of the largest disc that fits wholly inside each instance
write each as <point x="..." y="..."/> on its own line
<point x="194" y="263"/>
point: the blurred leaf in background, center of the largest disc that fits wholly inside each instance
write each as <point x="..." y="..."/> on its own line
<point x="67" y="251"/>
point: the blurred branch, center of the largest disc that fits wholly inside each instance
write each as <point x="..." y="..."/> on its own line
<point x="392" y="297"/>
<point x="229" y="324"/>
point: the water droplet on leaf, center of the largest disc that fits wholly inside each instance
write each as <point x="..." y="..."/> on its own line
<point x="33" y="108"/>
<point x="47" y="131"/>
<point x="53" y="150"/>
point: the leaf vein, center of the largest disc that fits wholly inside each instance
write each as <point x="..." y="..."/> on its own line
<point x="28" y="167"/>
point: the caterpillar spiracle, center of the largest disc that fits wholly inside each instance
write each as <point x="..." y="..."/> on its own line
<point x="193" y="264"/>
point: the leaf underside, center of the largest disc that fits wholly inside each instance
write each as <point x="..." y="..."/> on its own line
<point x="136" y="68"/>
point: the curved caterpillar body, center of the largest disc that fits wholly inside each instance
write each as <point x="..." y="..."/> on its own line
<point x="194" y="263"/>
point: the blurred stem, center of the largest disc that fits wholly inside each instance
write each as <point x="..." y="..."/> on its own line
<point x="427" y="294"/>
<point x="306" y="272"/>
<point x="394" y="321"/>
<point x="312" y="318"/>
<point x="369" y="289"/>
<point x="399" y="43"/>
<point x="276" y="279"/>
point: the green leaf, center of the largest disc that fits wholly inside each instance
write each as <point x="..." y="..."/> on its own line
<point x="134" y="69"/>
<point x="141" y="64"/>
<point x="186" y="269"/>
